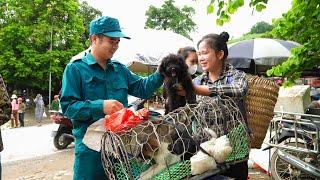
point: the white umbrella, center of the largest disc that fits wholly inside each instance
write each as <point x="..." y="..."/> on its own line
<point x="147" y="47"/>
<point x="138" y="64"/>
<point x="263" y="51"/>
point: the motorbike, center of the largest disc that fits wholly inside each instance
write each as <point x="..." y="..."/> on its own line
<point x="295" y="139"/>
<point x="62" y="137"/>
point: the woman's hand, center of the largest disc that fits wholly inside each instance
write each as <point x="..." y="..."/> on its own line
<point x="201" y="90"/>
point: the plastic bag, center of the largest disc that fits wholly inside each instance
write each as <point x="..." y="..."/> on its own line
<point x="44" y="114"/>
<point x="125" y="119"/>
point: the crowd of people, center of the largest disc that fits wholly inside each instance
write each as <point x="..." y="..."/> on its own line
<point x="19" y="107"/>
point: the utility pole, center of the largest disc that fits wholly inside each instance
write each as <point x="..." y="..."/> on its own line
<point x="50" y="49"/>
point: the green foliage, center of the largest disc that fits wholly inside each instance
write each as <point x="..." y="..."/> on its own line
<point x="170" y="17"/>
<point x="301" y="24"/>
<point x="38" y="37"/>
<point x="261" y="27"/>
<point x="259" y="30"/>
<point x="246" y="37"/>
<point x="227" y="7"/>
<point x="87" y="13"/>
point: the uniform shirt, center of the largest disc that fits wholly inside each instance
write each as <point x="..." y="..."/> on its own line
<point x="86" y="84"/>
<point x="230" y="83"/>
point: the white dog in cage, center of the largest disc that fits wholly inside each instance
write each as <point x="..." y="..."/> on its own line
<point x="163" y="158"/>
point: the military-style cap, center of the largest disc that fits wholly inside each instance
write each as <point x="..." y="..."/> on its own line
<point x="107" y="26"/>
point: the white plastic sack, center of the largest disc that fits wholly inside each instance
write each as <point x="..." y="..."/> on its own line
<point x="93" y="136"/>
<point x="201" y="163"/>
<point x="44" y="114"/>
<point x="221" y="149"/>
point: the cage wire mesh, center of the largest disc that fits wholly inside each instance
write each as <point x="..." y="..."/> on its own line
<point x="161" y="147"/>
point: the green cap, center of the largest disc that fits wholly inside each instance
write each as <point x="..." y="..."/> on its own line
<point x="107" y="26"/>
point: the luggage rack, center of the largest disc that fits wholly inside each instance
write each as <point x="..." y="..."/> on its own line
<point x="303" y="130"/>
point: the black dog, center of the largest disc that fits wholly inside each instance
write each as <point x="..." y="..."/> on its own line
<point x="183" y="143"/>
<point x="175" y="70"/>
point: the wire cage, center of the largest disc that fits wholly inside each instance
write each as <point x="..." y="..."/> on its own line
<point x="161" y="147"/>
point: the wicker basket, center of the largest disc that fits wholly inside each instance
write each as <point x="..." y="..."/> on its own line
<point x="261" y="99"/>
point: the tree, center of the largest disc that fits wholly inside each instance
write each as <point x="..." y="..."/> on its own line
<point x="301" y="24"/>
<point x="228" y="7"/>
<point x="88" y="13"/>
<point x="247" y="36"/>
<point x="169" y="17"/>
<point x="38" y="37"/>
<point x="260" y="27"/>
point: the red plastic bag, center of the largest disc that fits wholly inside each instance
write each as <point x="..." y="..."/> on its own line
<point x="125" y="119"/>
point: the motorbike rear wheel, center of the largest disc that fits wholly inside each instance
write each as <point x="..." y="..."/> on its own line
<point x="59" y="142"/>
<point x="282" y="170"/>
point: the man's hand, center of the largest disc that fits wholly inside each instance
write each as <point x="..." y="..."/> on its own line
<point x="56" y="118"/>
<point x="111" y="106"/>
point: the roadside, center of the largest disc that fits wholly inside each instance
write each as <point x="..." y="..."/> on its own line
<point x="29" y="119"/>
<point x="53" y="166"/>
<point x="59" y="166"/>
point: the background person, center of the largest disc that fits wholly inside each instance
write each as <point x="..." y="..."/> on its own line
<point x="55" y="105"/>
<point x="191" y="59"/>
<point x="15" y="107"/>
<point x="21" y="111"/>
<point x="39" y="110"/>
<point x="221" y="78"/>
<point x="95" y="86"/>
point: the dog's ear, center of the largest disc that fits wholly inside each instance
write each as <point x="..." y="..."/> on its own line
<point x="162" y="67"/>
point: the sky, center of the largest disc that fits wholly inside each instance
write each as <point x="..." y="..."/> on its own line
<point x="131" y="14"/>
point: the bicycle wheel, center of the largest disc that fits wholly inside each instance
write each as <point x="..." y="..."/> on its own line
<point x="282" y="170"/>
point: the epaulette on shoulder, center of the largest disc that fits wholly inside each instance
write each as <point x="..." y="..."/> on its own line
<point x="78" y="56"/>
<point x="74" y="60"/>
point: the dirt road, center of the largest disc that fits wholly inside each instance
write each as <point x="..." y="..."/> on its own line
<point x="59" y="166"/>
<point x="54" y="166"/>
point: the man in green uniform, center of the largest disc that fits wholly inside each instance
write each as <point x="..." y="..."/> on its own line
<point x="95" y="86"/>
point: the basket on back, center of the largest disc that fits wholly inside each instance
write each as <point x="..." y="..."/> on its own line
<point x="260" y="101"/>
